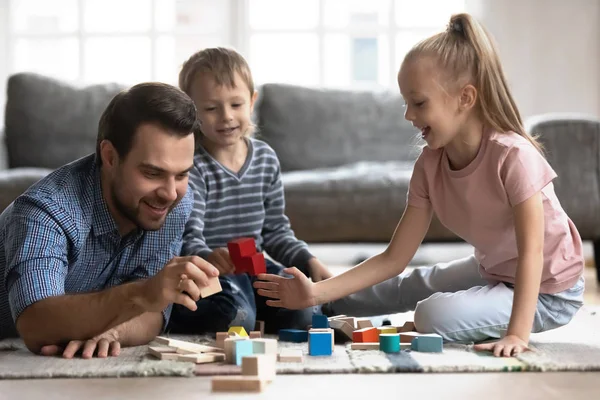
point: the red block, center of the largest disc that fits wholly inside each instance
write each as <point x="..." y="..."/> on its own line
<point x="253" y="265"/>
<point x="366" y="335"/>
<point x="240" y="248"/>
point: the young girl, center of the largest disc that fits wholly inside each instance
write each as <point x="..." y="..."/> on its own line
<point x="238" y="193"/>
<point x="487" y="180"/>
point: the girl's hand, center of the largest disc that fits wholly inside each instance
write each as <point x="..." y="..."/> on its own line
<point x="508" y="346"/>
<point x="292" y="293"/>
<point x="221" y="259"/>
<point x="317" y="270"/>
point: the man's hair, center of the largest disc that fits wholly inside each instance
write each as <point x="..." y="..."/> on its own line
<point x="154" y="103"/>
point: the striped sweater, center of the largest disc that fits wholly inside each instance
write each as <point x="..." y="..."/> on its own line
<point x="250" y="203"/>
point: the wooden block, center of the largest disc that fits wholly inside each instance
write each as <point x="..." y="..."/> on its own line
<point x="365" y="346"/>
<point x="293" y="335"/>
<point x="242" y="348"/>
<point x="365" y="335"/>
<point x="214" y="286"/>
<point x="350" y="320"/>
<point x="230" y="348"/>
<point x="239" y="330"/>
<point x="407" y="337"/>
<point x="202" y="358"/>
<point x="237" y="384"/>
<point x="264" y="346"/>
<point x="387" y="329"/>
<point x="363" y="323"/>
<point x="337" y="317"/>
<point x="221" y="336"/>
<point x="240" y="248"/>
<point x="326" y="330"/>
<point x="342" y="326"/>
<point x="260" y="326"/>
<point x="189" y="346"/>
<point x="389" y="342"/>
<point x="253" y="265"/>
<point x="260" y="365"/>
<point x="428" y="343"/>
<point x="163" y="353"/>
<point x="255" y="335"/>
<point x="320" y="343"/>
<point x="320" y="321"/>
<point x="408" y="326"/>
<point x="290" y="355"/>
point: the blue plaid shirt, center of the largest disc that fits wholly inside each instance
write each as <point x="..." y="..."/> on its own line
<point x="59" y="238"/>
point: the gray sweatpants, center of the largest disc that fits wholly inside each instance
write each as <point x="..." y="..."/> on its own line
<point x="454" y="301"/>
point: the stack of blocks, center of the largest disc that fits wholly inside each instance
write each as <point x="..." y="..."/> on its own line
<point x="245" y="257"/>
<point x="391" y="340"/>
<point x="238" y="344"/>
<point x="179" y="350"/>
<point x="257" y="371"/>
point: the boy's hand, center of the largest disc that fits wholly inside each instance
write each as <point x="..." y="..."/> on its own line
<point x="221" y="259"/>
<point x="510" y="345"/>
<point x="292" y="293"/>
<point x="317" y="270"/>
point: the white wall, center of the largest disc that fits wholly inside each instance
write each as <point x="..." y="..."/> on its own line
<point x="550" y="50"/>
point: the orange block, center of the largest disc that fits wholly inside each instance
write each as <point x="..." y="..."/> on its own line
<point x="365" y="335"/>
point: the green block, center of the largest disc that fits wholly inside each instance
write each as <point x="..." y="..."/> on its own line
<point x="431" y="343"/>
<point x="389" y="342"/>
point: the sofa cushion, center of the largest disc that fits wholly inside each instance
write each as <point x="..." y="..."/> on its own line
<point x="14" y="182"/>
<point x="361" y="202"/>
<point x="51" y="123"/>
<point x="310" y="128"/>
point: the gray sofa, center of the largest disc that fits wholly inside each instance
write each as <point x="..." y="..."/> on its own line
<point x="346" y="157"/>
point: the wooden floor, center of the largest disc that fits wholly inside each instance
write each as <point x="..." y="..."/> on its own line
<point x="487" y="386"/>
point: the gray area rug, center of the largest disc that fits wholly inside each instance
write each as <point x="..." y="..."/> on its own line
<point x="575" y="347"/>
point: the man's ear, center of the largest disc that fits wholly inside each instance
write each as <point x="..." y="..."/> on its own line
<point x="468" y="97"/>
<point x="108" y="154"/>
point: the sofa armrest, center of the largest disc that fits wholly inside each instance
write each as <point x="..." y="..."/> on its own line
<point x="3" y="152"/>
<point x="572" y="146"/>
<point x="13" y="182"/>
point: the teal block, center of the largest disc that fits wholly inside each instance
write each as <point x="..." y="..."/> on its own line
<point x="320" y="321"/>
<point x="389" y="342"/>
<point x="243" y="348"/>
<point x="293" y="335"/>
<point x="428" y="344"/>
<point x="320" y="344"/>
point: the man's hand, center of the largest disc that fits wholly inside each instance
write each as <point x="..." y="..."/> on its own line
<point x="181" y="274"/>
<point x="317" y="270"/>
<point x="221" y="259"/>
<point x="510" y="345"/>
<point x="292" y="293"/>
<point x="102" y="345"/>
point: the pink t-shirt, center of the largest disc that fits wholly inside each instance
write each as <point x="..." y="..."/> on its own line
<point x="476" y="204"/>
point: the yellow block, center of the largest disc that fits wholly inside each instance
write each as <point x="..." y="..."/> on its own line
<point x="239" y="330"/>
<point x="386" y="329"/>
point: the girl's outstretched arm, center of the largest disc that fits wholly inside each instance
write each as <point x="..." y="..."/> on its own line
<point x="529" y="229"/>
<point x="299" y="292"/>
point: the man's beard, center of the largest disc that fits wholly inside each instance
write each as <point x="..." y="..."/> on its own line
<point x="132" y="213"/>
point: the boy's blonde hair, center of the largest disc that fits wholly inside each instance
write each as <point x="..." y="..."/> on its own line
<point x="468" y="55"/>
<point x="220" y="62"/>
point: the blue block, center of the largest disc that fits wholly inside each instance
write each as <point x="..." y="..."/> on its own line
<point x="320" y="321"/>
<point x="427" y="344"/>
<point x="243" y="348"/>
<point x="320" y="343"/>
<point x="293" y="335"/>
<point x="389" y="342"/>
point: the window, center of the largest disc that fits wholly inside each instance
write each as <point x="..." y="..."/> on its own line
<point x="93" y="41"/>
<point x="338" y="43"/>
<point x="330" y="43"/>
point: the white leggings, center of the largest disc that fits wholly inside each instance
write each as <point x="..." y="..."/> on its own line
<point x="454" y="301"/>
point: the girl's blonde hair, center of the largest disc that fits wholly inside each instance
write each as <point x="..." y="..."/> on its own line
<point x="467" y="54"/>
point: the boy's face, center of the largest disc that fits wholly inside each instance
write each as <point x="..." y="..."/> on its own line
<point x="224" y="112"/>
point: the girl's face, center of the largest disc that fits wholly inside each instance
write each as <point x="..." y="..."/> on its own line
<point x="224" y="112"/>
<point x="429" y="104"/>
